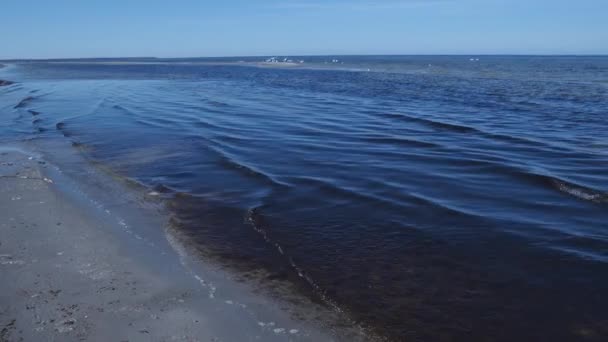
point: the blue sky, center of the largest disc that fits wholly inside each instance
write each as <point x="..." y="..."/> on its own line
<point x="188" y="28"/>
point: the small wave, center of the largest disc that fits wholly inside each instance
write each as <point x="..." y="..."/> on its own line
<point x="516" y="140"/>
<point x="556" y="183"/>
<point x="539" y="179"/>
<point x="329" y="188"/>
<point x="155" y="122"/>
<point x="24" y="102"/>
<point x="140" y="117"/>
<point x="15" y="87"/>
<point x="431" y="123"/>
<point x="467" y="129"/>
<point x="6" y="83"/>
<point x="33" y="112"/>
<point x="580" y="192"/>
<point x="448" y="126"/>
<point x="217" y="103"/>
<point x="163" y="189"/>
<point x="228" y="162"/>
<point x="60" y="126"/>
<point x="248" y="170"/>
<point x="120" y="108"/>
<point x="405" y="201"/>
<point x="400" y="142"/>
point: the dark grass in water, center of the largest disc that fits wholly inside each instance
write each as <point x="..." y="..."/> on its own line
<point x="431" y="197"/>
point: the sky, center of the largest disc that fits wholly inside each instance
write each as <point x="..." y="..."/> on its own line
<point x="189" y="28"/>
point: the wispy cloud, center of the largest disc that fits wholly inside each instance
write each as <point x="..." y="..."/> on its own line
<point x="354" y="5"/>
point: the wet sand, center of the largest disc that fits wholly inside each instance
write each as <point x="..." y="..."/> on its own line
<point x="69" y="275"/>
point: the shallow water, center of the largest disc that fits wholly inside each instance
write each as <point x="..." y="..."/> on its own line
<point x="431" y="197"/>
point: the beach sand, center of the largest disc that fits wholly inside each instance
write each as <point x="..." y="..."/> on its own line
<point x="69" y="275"/>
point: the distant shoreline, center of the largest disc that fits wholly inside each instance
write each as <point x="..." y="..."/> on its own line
<point x="173" y="59"/>
<point x="260" y="64"/>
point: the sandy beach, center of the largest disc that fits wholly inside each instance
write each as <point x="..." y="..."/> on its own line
<point x="68" y="274"/>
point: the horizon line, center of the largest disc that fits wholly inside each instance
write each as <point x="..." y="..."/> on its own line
<point x="319" y="55"/>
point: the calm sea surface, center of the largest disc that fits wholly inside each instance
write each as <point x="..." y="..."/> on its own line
<point x="449" y="198"/>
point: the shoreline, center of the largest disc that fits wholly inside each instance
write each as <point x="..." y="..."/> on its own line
<point x="78" y="269"/>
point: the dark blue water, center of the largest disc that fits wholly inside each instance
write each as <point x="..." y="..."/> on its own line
<point x="430" y="198"/>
